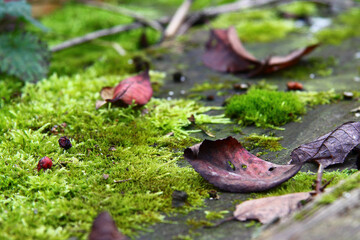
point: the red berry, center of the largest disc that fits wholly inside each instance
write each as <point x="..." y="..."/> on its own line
<point x="44" y="163"/>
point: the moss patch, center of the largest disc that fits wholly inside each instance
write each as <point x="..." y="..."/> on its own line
<point x="270" y="143"/>
<point x="265" y="108"/>
<point x="256" y="25"/>
<point x="346" y="25"/>
<point x="299" y="8"/>
<point x="120" y="142"/>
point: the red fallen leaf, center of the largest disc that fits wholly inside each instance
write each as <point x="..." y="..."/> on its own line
<point x="44" y="163"/>
<point x="104" y="228"/>
<point x="135" y="89"/>
<point x="266" y="210"/>
<point x="331" y="148"/>
<point x="226" y="164"/>
<point x="225" y="53"/>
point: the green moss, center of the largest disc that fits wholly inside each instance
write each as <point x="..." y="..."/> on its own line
<point x="62" y="202"/>
<point x="265" y="108"/>
<point x="303" y="182"/>
<point x="10" y="88"/>
<point x="345" y="26"/>
<point x="320" y="67"/>
<point x="299" y="8"/>
<point x="210" y="215"/>
<point x="256" y="25"/>
<point x="270" y="143"/>
<point x="349" y="183"/>
<point x="318" y="98"/>
<point x="195" y="223"/>
<point x="206" y="86"/>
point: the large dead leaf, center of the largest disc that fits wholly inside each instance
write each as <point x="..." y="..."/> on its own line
<point x="104" y="228"/>
<point x="225" y="53"/>
<point x="331" y="148"/>
<point x="268" y="209"/>
<point x="136" y="89"/>
<point x="226" y="164"/>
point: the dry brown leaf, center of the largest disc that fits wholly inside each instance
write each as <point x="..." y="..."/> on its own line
<point x="266" y="210"/>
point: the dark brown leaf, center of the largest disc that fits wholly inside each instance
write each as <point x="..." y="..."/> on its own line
<point x="104" y="228"/>
<point x="225" y="53"/>
<point x="136" y="89"/>
<point x="226" y="164"/>
<point x="266" y="210"/>
<point x="332" y="148"/>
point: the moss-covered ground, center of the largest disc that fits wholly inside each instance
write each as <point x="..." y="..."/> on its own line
<point x="126" y="160"/>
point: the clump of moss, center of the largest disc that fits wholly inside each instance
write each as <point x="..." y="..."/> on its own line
<point x="318" y="98"/>
<point x="299" y="8"/>
<point x="270" y="143"/>
<point x="210" y="215"/>
<point x="320" y="67"/>
<point x="345" y="26"/>
<point x="195" y="223"/>
<point x="209" y="86"/>
<point x="256" y="25"/>
<point x="265" y="108"/>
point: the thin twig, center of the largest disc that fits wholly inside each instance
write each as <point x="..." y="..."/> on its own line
<point x="95" y="35"/>
<point x="319" y="179"/>
<point x="178" y="19"/>
<point x="121" y="181"/>
<point x="124" y="11"/>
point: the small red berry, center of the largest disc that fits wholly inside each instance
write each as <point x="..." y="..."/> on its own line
<point x="293" y="86"/>
<point x="65" y="143"/>
<point x="44" y="163"/>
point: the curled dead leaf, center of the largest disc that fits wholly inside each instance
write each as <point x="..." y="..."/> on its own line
<point x="226" y="164"/>
<point x="331" y="148"/>
<point x="266" y="210"/>
<point x="136" y="89"/>
<point x="225" y="53"/>
<point x="104" y="227"/>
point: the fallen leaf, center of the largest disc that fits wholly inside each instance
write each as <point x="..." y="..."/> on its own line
<point x="104" y="227"/>
<point x="226" y="164"/>
<point x="266" y="210"/>
<point x="331" y="148"/>
<point x="225" y="53"/>
<point x="136" y="89"/>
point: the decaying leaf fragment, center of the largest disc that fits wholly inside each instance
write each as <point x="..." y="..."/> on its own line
<point x="266" y="210"/>
<point x="225" y="53"/>
<point x="104" y="228"/>
<point x="331" y="148"/>
<point x="226" y="164"/>
<point x="136" y="89"/>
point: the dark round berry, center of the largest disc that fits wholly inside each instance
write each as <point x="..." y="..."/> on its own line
<point x="65" y="143"/>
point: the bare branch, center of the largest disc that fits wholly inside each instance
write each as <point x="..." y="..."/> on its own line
<point x="178" y="19"/>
